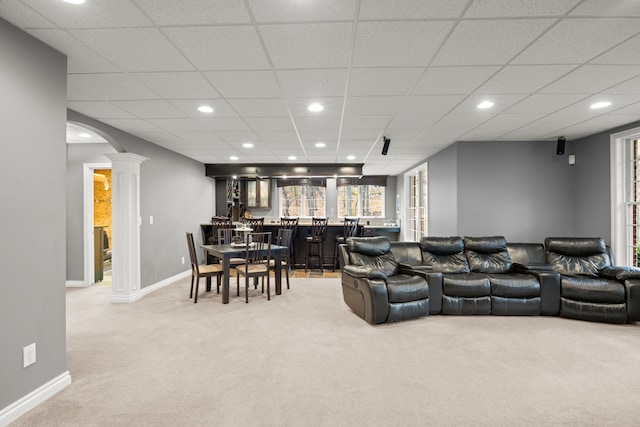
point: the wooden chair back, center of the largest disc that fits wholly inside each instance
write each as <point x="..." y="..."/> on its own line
<point x="350" y="228"/>
<point x="255" y="224"/>
<point x="319" y="229"/>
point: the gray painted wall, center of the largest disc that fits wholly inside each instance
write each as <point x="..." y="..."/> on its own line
<point x="175" y="191"/>
<point x="521" y="190"/>
<point x="443" y="192"/>
<point x="32" y="190"/>
<point x="592" y="194"/>
<point x="77" y="156"/>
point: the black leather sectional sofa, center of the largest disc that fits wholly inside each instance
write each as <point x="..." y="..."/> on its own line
<point x="385" y="281"/>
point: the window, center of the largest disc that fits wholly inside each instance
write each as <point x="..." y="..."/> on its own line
<point x="361" y="200"/>
<point x="302" y="200"/>
<point x="625" y="169"/>
<point x="418" y="205"/>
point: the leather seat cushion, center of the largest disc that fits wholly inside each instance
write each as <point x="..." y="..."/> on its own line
<point x="515" y="306"/>
<point x="466" y="285"/>
<point x="514" y="285"/>
<point x="405" y="288"/>
<point x="460" y="305"/>
<point x="611" y="313"/>
<point x="408" y="310"/>
<point x="593" y="290"/>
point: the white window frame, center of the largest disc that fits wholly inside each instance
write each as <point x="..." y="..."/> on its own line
<point x="360" y="201"/>
<point x="303" y="206"/>
<point x="415" y="228"/>
<point x="621" y="179"/>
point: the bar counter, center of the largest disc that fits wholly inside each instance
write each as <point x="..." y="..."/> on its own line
<point x="376" y="227"/>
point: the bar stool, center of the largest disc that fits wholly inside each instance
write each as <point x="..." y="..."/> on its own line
<point x="349" y="229"/>
<point x="291" y="223"/>
<point x="317" y="237"/>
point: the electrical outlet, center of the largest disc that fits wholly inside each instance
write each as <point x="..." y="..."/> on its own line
<point x="183" y="260"/>
<point x="29" y="355"/>
<point x="151" y="220"/>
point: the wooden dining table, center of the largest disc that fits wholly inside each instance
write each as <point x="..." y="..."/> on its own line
<point x="226" y="252"/>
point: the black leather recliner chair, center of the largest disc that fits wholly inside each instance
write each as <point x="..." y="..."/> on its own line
<point x="591" y="287"/>
<point x="375" y="287"/>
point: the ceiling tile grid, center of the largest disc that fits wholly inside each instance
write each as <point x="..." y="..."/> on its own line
<point x="412" y="70"/>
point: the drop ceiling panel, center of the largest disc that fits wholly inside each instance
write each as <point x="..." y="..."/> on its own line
<point x="300" y="11"/>
<point x="195" y="12"/>
<point x="147" y="49"/>
<point x="178" y="85"/>
<point x="372" y="105"/>
<point x="176" y="124"/>
<point x="224" y="123"/>
<point x="403" y="137"/>
<point x="365" y="122"/>
<point x="23" y="16"/>
<point x="501" y="103"/>
<point x="270" y="123"/>
<point x="300" y="106"/>
<point x="150" y="109"/>
<point x="499" y="125"/>
<point x="266" y="107"/>
<point x="625" y="53"/>
<point x="275" y="137"/>
<point x="99" y="87"/>
<point x="631" y="111"/>
<point x="489" y="42"/>
<point x="523" y="78"/>
<point x="315" y="135"/>
<point x="220" y="48"/>
<point x="414" y="121"/>
<point x="607" y="8"/>
<point x="510" y="8"/>
<point x="235" y="138"/>
<point x="575" y="40"/>
<point x="221" y="108"/>
<point x="411" y="9"/>
<point x="165" y="139"/>
<point x="80" y="59"/>
<point x="318" y="123"/>
<point x="244" y="84"/>
<point x="592" y="78"/>
<point x="132" y="125"/>
<point x="453" y="80"/>
<point x="198" y="136"/>
<point x="92" y="14"/>
<point x="367" y="134"/>
<point x="398" y="44"/>
<point x="313" y="83"/>
<point x="382" y="81"/>
<point x="434" y="104"/>
<point x="545" y="103"/>
<point x="592" y="126"/>
<point x="308" y="45"/>
<point x="99" y="110"/>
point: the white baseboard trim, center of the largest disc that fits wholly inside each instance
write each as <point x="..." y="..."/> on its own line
<point x="33" y="399"/>
<point x="117" y="299"/>
<point x="166" y="282"/>
<point x="77" y="284"/>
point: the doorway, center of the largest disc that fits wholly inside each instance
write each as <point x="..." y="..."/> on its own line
<point x="97" y="223"/>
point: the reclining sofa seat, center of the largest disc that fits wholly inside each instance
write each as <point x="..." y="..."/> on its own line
<point x="477" y="276"/>
<point x="375" y="288"/>
<point x="592" y="288"/>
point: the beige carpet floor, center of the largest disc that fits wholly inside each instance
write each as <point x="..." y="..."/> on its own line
<point x="304" y="359"/>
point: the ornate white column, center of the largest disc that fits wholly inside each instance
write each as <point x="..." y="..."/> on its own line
<point x="125" y="209"/>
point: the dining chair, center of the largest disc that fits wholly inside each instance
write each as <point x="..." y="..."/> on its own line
<point x="283" y="239"/>
<point x="292" y="223"/>
<point x="257" y="255"/>
<point x="255" y="224"/>
<point x="197" y="270"/>
<point x="316" y="238"/>
<point x="349" y="229"/>
<point x="227" y="236"/>
<point x="217" y="222"/>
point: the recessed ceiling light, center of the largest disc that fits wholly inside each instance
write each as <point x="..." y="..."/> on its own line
<point x="233" y="158"/>
<point x="74" y="1"/>
<point x="84" y="135"/>
<point x="320" y="144"/>
<point x="485" y="104"/>
<point x="602" y="104"/>
<point x="351" y="157"/>
<point x="316" y="107"/>
<point x="247" y="145"/>
<point x="292" y="157"/>
<point x="235" y="177"/>
<point x="205" y="109"/>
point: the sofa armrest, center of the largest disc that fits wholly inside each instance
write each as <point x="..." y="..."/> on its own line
<point x="368" y="298"/>
<point x="549" y="286"/>
<point x="361" y="271"/>
<point x="620" y="273"/>
<point x="632" y="288"/>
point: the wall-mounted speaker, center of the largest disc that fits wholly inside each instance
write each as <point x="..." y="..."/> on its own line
<point x="385" y="147"/>
<point x="560" y="146"/>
